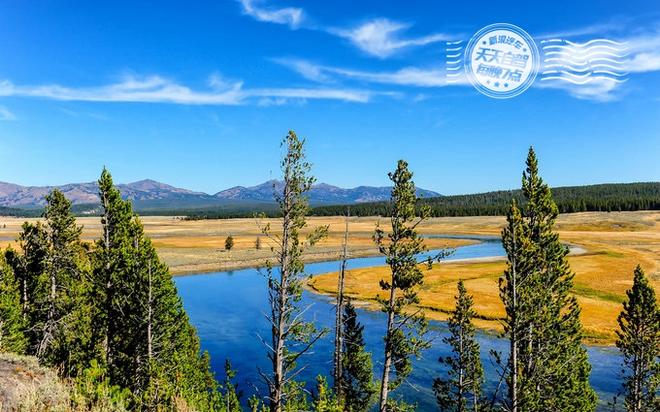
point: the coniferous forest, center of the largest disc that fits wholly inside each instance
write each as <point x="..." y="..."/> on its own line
<point x="619" y="197"/>
<point x="107" y="318"/>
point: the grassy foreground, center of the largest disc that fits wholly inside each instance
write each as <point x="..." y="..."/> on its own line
<point x="613" y="243"/>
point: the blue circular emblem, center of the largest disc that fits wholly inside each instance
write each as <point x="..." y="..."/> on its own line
<point x="501" y="60"/>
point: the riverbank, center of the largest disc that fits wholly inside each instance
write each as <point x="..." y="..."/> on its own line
<point x="610" y="246"/>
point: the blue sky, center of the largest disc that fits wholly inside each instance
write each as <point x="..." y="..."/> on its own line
<point x="199" y="94"/>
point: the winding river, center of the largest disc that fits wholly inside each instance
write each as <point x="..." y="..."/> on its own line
<point x="227" y="308"/>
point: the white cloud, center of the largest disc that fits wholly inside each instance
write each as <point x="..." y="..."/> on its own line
<point x="644" y="52"/>
<point x="407" y="76"/>
<point x="599" y="89"/>
<point x="156" y="89"/>
<point x="291" y="16"/>
<point x="6" y="115"/>
<point x="615" y="25"/>
<point x="380" y="37"/>
<point x="644" y="62"/>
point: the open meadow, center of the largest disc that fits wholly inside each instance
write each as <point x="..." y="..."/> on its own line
<point x="195" y="246"/>
<point x="612" y="245"/>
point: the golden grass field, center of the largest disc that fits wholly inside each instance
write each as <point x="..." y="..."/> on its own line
<point x="614" y="244"/>
<point x="199" y="246"/>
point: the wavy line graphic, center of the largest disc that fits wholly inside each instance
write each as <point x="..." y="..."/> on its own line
<point x="587" y="44"/>
<point x="573" y="50"/>
<point x="595" y="73"/>
<point x="588" y="63"/>
<point x="599" y="66"/>
<point x="582" y="57"/>
<point x="582" y="63"/>
<point x="581" y="82"/>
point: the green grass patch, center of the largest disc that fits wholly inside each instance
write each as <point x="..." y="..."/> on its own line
<point x="586" y="291"/>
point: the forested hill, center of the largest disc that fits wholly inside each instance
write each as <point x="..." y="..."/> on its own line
<point x="569" y="199"/>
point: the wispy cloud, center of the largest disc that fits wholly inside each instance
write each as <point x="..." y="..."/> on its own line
<point x="407" y="76"/>
<point x="382" y="37"/>
<point x="599" y="90"/>
<point x="157" y="89"/>
<point x="378" y="37"/>
<point x="603" y="28"/>
<point x="6" y="114"/>
<point x="291" y="16"/>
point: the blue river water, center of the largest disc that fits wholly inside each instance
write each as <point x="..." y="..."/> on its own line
<point x="227" y="308"/>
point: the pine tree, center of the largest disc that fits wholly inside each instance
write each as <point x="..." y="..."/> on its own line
<point x="145" y="337"/>
<point x="552" y="366"/>
<point x="460" y="391"/>
<point x="64" y="327"/>
<point x="229" y="243"/>
<point x="12" y="324"/>
<point x="231" y="393"/>
<point x="291" y="336"/>
<point x="324" y="399"/>
<point x="404" y="335"/>
<point x="108" y="259"/>
<point x="639" y="342"/>
<point x="512" y="286"/>
<point x="357" y="380"/>
<point x="29" y="267"/>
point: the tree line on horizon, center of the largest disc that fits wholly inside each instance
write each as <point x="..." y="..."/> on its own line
<point x="614" y="197"/>
<point x="108" y="318"/>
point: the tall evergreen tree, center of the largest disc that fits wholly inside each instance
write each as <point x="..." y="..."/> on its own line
<point x="512" y="286"/>
<point x="12" y="324"/>
<point x="552" y="366"/>
<point x="357" y="379"/>
<point x="145" y="336"/>
<point x="404" y="336"/>
<point x="116" y="220"/>
<point x="29" y="267"/>
<point x="65" y="327"/>
<point x="639" y="342"/>
<point x="460" y="391"/>
<point x="291" y="336"/>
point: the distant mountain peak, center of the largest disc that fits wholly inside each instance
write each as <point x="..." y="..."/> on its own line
<point x="151" y="194"/>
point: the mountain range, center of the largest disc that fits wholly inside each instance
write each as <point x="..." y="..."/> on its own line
<point x="150" y="194"/>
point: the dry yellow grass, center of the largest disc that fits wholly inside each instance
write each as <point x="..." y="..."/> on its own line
<point x="198" y="246"/>
<point x="614" y="242"/>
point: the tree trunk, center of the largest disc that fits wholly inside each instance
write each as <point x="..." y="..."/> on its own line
<point x="513" y="395"/>
<point x="108" y="284"/>
<point x="150" y="303"/>
<point x="387" y="364"/>
<point x="276" y="395"/>
<point x="339" y="324"/>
